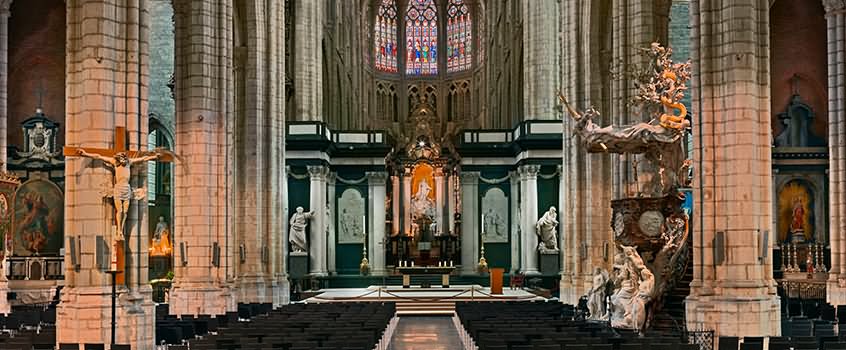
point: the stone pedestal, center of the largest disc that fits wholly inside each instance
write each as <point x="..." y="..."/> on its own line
<point x="297" y="265"/>
<point x="550" y="263"/>
<point x="84" y="316"/>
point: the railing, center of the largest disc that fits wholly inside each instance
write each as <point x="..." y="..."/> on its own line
<point x="35" y="268"/>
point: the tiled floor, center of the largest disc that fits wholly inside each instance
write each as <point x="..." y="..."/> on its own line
<point x="425" y="333"/>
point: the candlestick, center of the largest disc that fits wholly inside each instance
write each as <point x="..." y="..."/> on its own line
<point x="483" y="223"/>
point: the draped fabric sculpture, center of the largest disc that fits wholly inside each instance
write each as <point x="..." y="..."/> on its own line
<point x="545" y="229"/>
<point x="299" y="222"/>
<point x="652" y="221"/>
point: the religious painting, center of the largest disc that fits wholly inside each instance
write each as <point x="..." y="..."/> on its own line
<point x="39" y="219"/>
<point x="796" y="212"/>
<point x="423" y="193"/>
<point x="495" y="216"/>
<point x="351" y="219"/>
<point x="8" y="186"/>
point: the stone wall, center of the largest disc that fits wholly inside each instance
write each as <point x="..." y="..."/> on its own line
<point x="162" y="103"/>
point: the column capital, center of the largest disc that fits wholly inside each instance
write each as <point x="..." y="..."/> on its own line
<point x="317" y="171"/>
<point x="834" y="5"/>
<point x="5" y="5"/>
<point x="331" y="177"/>
<point x="470" y="177"/>
<point x="529" y="171"/>
<point x="376" y="177"/>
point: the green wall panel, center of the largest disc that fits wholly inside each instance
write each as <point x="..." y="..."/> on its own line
<point x="496" y="254"/>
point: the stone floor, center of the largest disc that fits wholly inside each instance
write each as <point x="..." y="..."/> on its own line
<point x="425" y="332"/>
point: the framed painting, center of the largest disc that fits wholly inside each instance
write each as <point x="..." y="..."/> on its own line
<point x="39" y="219"/>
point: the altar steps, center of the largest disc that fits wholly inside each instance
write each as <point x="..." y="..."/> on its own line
<point x="405" y="308"/>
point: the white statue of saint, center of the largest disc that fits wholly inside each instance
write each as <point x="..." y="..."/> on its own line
<point x="545" y="229"/>
<point x="420" y="203"/>
<point x="596" y="295"/>
<point x="160" y="227"/>
<point x="299" y="222"/>
<point x="122" y="193"/>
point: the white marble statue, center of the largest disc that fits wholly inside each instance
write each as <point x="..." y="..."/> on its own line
<point x="636" y="284"/>
<point x="596" y="295"/>
<point x="421" y="204"/>
<point x="545" y="229"/>
<point x="122" y="192"/>
<point x="299" y="222"/>
<point x="160" y="227"/>
<point x="621" y="300"/>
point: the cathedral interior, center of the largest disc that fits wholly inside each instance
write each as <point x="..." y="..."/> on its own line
<point x="422" y="174"/>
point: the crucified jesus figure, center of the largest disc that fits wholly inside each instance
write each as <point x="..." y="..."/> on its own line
<point x="122" y="193"/>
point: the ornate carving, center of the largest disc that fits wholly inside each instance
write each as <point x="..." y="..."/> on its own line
<point x="834" y="5"/>
<point x="317" y="171"/>
<point x="529" y="171"/>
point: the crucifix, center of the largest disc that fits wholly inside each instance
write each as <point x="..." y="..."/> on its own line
<point x="120" y="160"/>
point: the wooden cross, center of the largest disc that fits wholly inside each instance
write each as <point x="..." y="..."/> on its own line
<point x="120" y="145"/>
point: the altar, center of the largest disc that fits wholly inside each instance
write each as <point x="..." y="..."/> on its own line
<point x="443" y="271"/>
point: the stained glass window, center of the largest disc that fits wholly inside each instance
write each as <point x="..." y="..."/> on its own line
<point x="421" y="32"/>
<point x="458" y="36"/>
<point x="385" y="33"/>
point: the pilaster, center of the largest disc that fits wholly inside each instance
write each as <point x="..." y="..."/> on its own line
<point x="469" y="223"/>
<point x="376" y="240"/>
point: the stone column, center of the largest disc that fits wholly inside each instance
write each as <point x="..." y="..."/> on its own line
<point x="734" y="296"/>
<point x="529" y="211"/>
<point x="5" y="308"/>
<point x="439" y="199"/>
<point x="308" y="60"/>
<point x="203" y="172"/>
<point x="395" y="204"/>
<point x="836" y="23"/>
<point x="469" y="222"/>
<point x="4" y="88"/>
<point x="450" y="193"/>
<point x="540" y="57"/>
<point x="376" y="232"/>
<point x="516" y="221"/>
<point x="331" y="231"/>
<point x="406" y="201"/>
<point x="317" y="227"/>
<point x="104" y="92"/>
<point x="259" y="150"/>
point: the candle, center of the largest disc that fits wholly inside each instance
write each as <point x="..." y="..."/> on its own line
<point x="363" y="223"/>
<point x="412" y="263"/>
<point x="483" y="223"/>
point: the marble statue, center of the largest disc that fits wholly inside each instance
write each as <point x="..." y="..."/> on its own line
<point x="545" y="229"/>
<point x="122" y="192"/>
<point x="161" y="226"/>
<point x="421" y="204"/>
<point x="635" y="289"/>
<point x="596" y="295"/>
<point x="299" y="222"/>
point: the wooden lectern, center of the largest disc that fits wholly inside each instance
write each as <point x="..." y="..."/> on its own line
<point x="496" y="280"/>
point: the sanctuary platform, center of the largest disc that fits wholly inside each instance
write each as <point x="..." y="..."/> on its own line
<point x="422" y="301"/>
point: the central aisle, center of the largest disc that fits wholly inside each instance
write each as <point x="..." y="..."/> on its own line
<point x="425" y="333"/>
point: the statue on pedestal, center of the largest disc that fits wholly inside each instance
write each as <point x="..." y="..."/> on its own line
<point x="299" y="222"/>
<point x="545" y="229"/>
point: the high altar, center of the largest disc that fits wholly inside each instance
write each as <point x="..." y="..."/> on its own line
<point x="423" y="196"/>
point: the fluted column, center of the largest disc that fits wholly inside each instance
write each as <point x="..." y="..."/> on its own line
<point x="469" y="222"/>
<point x="317" y="228"/>
<point x="376" y="242"/>
<point x="529" y="211"/>
<point x="308" y="60"/>
<point x="395" y="204"/>
<point x="540" y="57"/>
<point x="836" y="26"/>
